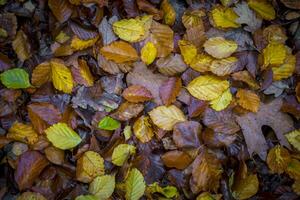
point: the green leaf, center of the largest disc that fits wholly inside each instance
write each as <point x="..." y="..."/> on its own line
<point x="135" y="185"/>
<point x="168" y="191"/>
<point x="108" y="123"/>
<point x="102" y="186"/>
<point x="86" y="197"/>
<point x="121" y="153"/>
<point x="294" y="138"/>
<point x="62" y="136"/>
<point x="127" y="132"/>
<point x="15" y="78"/>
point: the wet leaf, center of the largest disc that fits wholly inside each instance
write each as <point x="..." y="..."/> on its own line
<point x="169" y="90"/>
<point x="263" y="8"/>
<point x="121" y="154"/>
<point x="142" y="129"/>
<point x="169" y="12"/>
<point x="148" y="53"/>
<point x="108" y="123"/>
<point x="61" y="9"/>
<point x="248" y="100"/>
<point x="23" y="133"/>
<point x="41" y="74"/>
<point x="61" y="76"/>
<point x="224" y="17"/>
<point x="219" y="47"/>
<point x="89" y="166"/>
<point x="294" y="138"/>
<point x="62" y="136"/>
<point x="176" y="159"/>
<point x="102" y="186"/>
<point x="165" y="117"/>
<point x="136" y="94"/>
<point x="278" y="159"/>
<point x="135" y="185"/>
<point x="222" y="101"/>
<point x="21" y="46"/>
<point x="16" y="78"/>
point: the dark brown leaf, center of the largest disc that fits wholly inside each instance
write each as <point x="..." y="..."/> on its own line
<point x="186" y="134"/>
<point x="149" y="8"/>
<point x="169" y="90"/>
<point x="82" y="32"/>
<point x="128" y="110"/>
<point x="131" y="8"/>
<point x="5" y="62"/>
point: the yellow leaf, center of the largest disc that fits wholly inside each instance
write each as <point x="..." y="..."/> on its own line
<point x="41" y="74"/>
<point x="131" y="30"/>
<point x="224" y="17"/>
<point x="278" y="159"/>
<point x="121" y="153"/>
<point x="62" y="136"/>
<point x="293" y="169"/>
<point x="275" y="34"/>
<point x="207" y="87"/>
<point x="169" y="12"/>
<point x="246" y="187"/>
<point x="142" y="129"/>
<point x="165" y="117"/>
<point x="219" y="47"/>
<point x="248" y="100"/>
<point x="201" y="63"/>
<point x="263" y="8"/>
<point x="222" y="101"/>
<point x="89" y="166"/>
<point x="274" y="55"/>
<point x="193" y="18"/>
<point x="224" y="66"/>
<point x="23" y="133"/>
<point x="286" y="70"/>
<point x="294" y="138"/>
<point x="188" y="51"/>
<point x="148" y="53"/>
<point x="78" y="44"/>
<point x="119" y="52"/>
<point x="61" y="76"/>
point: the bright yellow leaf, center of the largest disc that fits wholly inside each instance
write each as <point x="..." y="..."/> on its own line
<point x="61" y="76"/>
<point x="23" y="133"/>
<point x="274" y="55"/>
<point x="165" y="117"/>
<point x="286" y="70"/>
<point x="188" y="51"/>
<point x="207" y="87"/>
<point x="79" y="44"/>
<point x="225" y="66"/>
<point x="89" y="166"/>
<point x="169" y="12"/>
<point x="142" y="129"/>
<point x="148" y="53"/>
<point x="263" y="8"/>
<point x="201" y="63"/>
<point x="224" y="17"/>
<point x="219" y="47"/>
<point x="248" y="100"/>
<point x="294" y="138"/>
<point x="222" y="101"/>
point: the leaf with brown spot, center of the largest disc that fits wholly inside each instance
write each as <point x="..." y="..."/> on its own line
<point x="142" y="129"/>
<point x="30" y="165"/>
<point x="278" y="159"/>
<point x="176" y="159"/>
<point x="186" y="134"/>
<point x="61" y="9"/>
<point x="41" y="74"/>
<point x="21" y="46"/>
<point x="128" y="110"/>
<point x="169" y="90"/>
<point x="137" y="94"/>
<point x="82" y="74"/>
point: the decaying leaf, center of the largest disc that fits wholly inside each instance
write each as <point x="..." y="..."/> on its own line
<point x="186" y="134"/>
<point x="219" y="47"/>
<point x="278" y="159"/>
<point x="248" y="100"/>
<point x="61" y="9"/>
<point x="23" y="133"/>
<point x="142" y="129"/>
<point x="245" y="76"/>
<point x="176" y="159"/>
<point x="79" y="44"/>
<point x="136" y="94"/>
<point x="105" y="28"/>
<point x="55" y="155"/>
<point x="128" y="110"/>
<point x="21" y="46"/>
<point x="82" y="74"/>
<point x="169" y="90"/>
<point x="171" y="65"/>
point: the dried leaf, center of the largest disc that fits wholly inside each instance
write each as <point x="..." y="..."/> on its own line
<point x="55" y="155"/>
<point x="171" y="65"/>
<point x="201" y="63"/>
<point x="102" y="187"/>
<point x="186" y="134"/>
<point x="222" y="101"/>
<point x="192" y="18"/>
<point x="23" y="133"/>
<point x="137" y="94"/>
<point x="79" y="44"/>
<point x="248" y="100"/>
<point x="293" y="4"/>
<point x="165" y="117"/>
<point x="263" y="8"/>
<point x="224" y="66"/>
<point x="89" y="166"/>
<point x="82" y="74"/>
<point x="285" y="70"/>
<point x="61" y="76"/>
<point x="245" y="76"/>
<point x="121" y="154"/>
<point x="16" y="78"/>
<point x="128" y="110"/>
<point x="176" y="159"/>
<point x="224" y="17"/>
<point x="294" y="138"/>
<point x="105" y="28"/>
<point x="219" y="47"/>
<point x="146" y="6"/>
<point x="119" y="52"/>
<point x="21" y="46"/>
<point x="61" y="9"/>
<point x="274" y="55"/>
<point x="169" y="12"/>
<point x="41" y="74"/>
<point x="278" y="159"/>
<point x="142" y="129"/>
<point x="188" y="51"/>
<point x="108" y="123"/>
<point x="148" y="53"/>
<point x="135" y="185"/>
<point x="169" y="90"/>
<point x="196" y="35"/>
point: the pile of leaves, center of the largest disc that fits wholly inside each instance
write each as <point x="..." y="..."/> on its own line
<point x="149" y="99"/>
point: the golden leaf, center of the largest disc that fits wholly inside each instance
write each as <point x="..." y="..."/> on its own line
<point x="143" y="129"/>
<point x="79" y="44"/>
<point x="23" y="133"/>
<point x="41" y="74"/>
<point x="224" y="66"/>
<point x="165" y="117"/>
<point x="224" y="17"/>
<point x="193" y="18"/>
<point x="82" y="74"/>
<point x="278" y="159"/>
<point x="274" y="54"/>
<point x="207" y="87"/>
<point x="89" y="166"/>
<point x="263" y="8"/>
<point x="21" y="46"/>
<point x="248" y="100"/>
<point x="285" y="70"/>
<point x="201" y="63"/>
<point x="120" y="52"/>
<point x="188" y="51"/>
<point x="294" y="138"/>
<point x="222" y="101"/>
<point x="169" y="12"/>
<point x="148" y="53"/>
<point x="246" y="187"/>
<point x="61" y="76"/>
<point x="245" y="76"/>
<point x="219" y="47"/>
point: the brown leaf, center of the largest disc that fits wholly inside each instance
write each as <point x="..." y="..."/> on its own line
<point x="221" y="122"/>
<point x="4" y="141"/>
<point x="293" y="4"/>
<point x="41" y="74"/>
<point x="55" y="155"/>
<point x="130" y="8"/>
<point x="248" y="59"/>
<point x="196" y="107"/>
<point x="291" y="105"/>
<point x="248" y="100"/>
<point x="245" y="76"/>
<point x="141" y="75"/>
<point x="128" y="110"/>
<point x="21" y="46"/>
<point x="186" y="134"/>
<point x="169" y="90"/>
<point x="270" y="115"/>
<point x="149" y="8"/>
<point x="112" y="67"/>
<point x="5" y="62"/>
<point x="8" y="22"/>
<point x="278" y="159"/>
<point x="137" y="94"/>
<point x="176" y="159"/>
<point x="171" y="65"/>
<point x="82" y="74"/>
<point x="196" y="35"/>
<point x="30" y="165"/>
<point x="217" y="140"/>
<point x="61" y="9"/>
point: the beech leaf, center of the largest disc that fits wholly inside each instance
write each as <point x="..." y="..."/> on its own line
<point x="15" y="78"/>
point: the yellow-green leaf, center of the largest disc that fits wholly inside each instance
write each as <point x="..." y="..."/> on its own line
<point x="31" y="196"/>
<point x="127" y="132"/>
<point x="263" y="8"/>
<point x="121" y="153"/>
<point x="219" y="47"/>
<point x="148" y="53"/>
<point x="86" y="197"/>
<point x="168" y="191"/>
<point x="79" y="44"/>
<point x="62" y="136"/>
<point x="224" y="17"/>
<point x="207" y="87"/>
<point x="222" y="101"/>
<point x="135" y="185"/>
<point x="102" y="186"/>
<point x="294" y="138"/>
<point x="169" y="12"/>
<point x="61" y="76"/>
<point x="165" y="117"/>
<point x="15" y="78"/>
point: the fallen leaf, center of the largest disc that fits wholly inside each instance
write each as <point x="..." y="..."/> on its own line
<point x="176" y="159"/>
<point x="89" y="166"/>
<point x="224" y="17"/>
<point x="61" y="76"/>
<point x="278" y="159"/>
<point x="169" y="90"/>
<point x="137" y="94"/>
<point x="245" y="77"/>
<point x="192" y="18"/>
<point x="225" y="66"/>
<point x="167" y="191"/>
<point x="219" y="47"/>
<point x="296" y="187"/>
<point x="146" y="6"/>
<point x="142" y="129"/>
<point x="121" y="154"/>
<point x="263" y="8"/>
<point x="274" y="55"/>
<point x="105" y="28"/>
<point x="293" y="169"/>
<point x="222" y="101"/>
<point x="165" y="117"/>
<point x="134" y="185"/>
<point x="248" y="100"/>
<point x="128" y="110"/>
<point x="293" y="138"/>
<point x="169" y="12"/>
<point x="286" y="70"/>
<point x="112" y="67"/>
<point x="21" y="46"/>
<point x="23" y="133"/>
<point x="86" y="197"/>
<point x="201" y="63"/>
<point x="188" y="51"/>
<point x="78" y="44"/>
<point x="82" y="74"/>
<point x="276" y="88"/>
<point x="55" y="155"/>
<point x="108" y="123"/>
<point x="293" y="4"/>
<point x="41" y="74"/>
<point x="275" y="34"/>
<point x="102" y="186"/>
<point x="171" y="65"/>
<point x="61" y="9"/>
<point x="16" y="78"/>
<point x="196" y="35"/>
<point x="186" y="134"/>
<point x="148" y="53"/>
<point x="31" y="196"/>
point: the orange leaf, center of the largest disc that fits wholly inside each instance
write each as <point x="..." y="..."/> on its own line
<point x="248" y="100"/>
<point x="136" y="94"/>
<point x="278" y="159"/>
